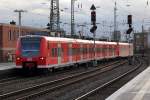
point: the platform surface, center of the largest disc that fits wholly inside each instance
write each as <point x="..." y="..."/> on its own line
<point x="136" y="89"/>
<point x="5" y="66"/>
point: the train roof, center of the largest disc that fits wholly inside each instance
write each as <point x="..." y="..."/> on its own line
<point x="73" y="40"/>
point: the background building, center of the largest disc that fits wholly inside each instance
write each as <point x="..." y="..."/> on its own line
<point x="8" y="37"/>
<point x="141" y="43"/>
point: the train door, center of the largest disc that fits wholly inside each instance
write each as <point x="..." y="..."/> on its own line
<point x="98" y="51"/>
<point x="78" y="52"/>
<point x="81" y="51"/>
<point x="103" y="51"/>
<point x="65" y="53"/>
<point x="90" y="51"/>
<point x="53" y="53"/>
<point x="106" y="51"/>
<point x="70" y="53"/>
<point x="60" y="53"/>
<point x="117" y="50"/>
<point x="84" y="51"/>
<point x="100" y="47"/>
<point x="87" y="48"/>
<point x="48" y="52"/>
<point x="113" y="50"/>
<point x="120" y="50"/>
<point x="95" y="51"/>
<point x="74" y="52"/>
<point x="110" y="51"/>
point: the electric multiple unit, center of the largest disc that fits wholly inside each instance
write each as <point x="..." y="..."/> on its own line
<point x="54" y="52"/>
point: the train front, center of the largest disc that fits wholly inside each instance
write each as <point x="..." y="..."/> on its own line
<point x="29" y="53"/>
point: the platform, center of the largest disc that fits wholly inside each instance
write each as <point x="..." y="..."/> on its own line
<point x="5" y="66"/>
<point x="136" y="89"/>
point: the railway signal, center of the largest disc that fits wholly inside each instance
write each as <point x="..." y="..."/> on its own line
<point x="93" y="17"/>
<point x="129" y="19"/>
<point x="129" y="31"/>
<point x="93" y="29"/>
<point x="130" y="24"/>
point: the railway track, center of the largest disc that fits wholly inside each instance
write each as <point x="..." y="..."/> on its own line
<point x="28" y="81"/>
<point x="107" y="84"/>
<point x="15" y="79"/>
<point x="35" y="90"/>
<point x="3" y="81"/>
<point x="23" y="79"/>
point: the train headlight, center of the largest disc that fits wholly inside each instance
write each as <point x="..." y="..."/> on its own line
<point x="42" y="58"/>
<point x="18" y="58"/>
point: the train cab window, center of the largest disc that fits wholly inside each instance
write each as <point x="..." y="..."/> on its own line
<point x="30" y="47"/>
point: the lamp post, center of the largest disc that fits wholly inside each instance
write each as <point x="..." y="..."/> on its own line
<point x="19" y="11"/>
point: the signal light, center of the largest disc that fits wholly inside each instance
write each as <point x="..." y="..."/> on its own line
<point x="93" y="29"/>
<point x="129" y="19"/>
<point x="129" y="30"/>
<point x="93" y="16"/>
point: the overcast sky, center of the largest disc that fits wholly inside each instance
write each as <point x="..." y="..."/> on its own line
<point x="38" y="12"/>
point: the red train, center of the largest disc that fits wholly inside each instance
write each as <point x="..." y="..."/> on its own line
<point x="53" y="52"/>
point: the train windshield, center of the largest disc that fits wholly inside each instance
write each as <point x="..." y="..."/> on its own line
<point x="30" y="47"/>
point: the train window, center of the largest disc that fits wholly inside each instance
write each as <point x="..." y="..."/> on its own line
<point x="81" y="50"/>
<point x="53" y="52"/>
<point x="103" y="50"/>
<point x="89" y="50"/>
<point x="72" y="51"/>
<point x="75" y="51"/>
<point x="78" y="51"/>
<point x="56" y="52"/>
